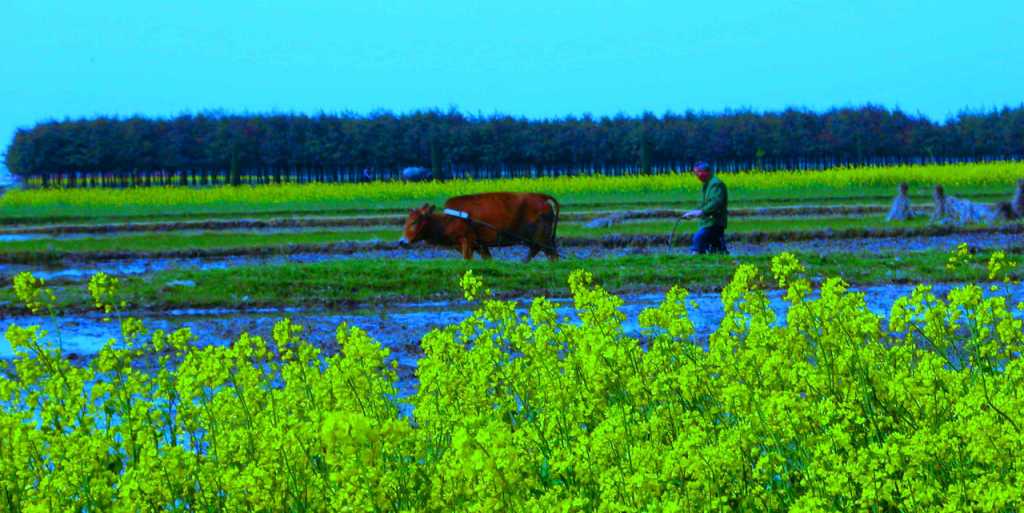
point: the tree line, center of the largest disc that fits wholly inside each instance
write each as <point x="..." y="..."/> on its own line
<point x="218" y="148"/>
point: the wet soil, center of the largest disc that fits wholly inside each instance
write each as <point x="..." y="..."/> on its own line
<point x="383" y="221"/>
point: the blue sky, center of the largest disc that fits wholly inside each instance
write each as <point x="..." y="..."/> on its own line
<point x="525" y="57"/>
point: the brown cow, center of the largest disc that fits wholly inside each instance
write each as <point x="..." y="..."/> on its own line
<point x="495" y="219"/>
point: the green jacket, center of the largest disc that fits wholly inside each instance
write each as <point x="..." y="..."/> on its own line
<point x="715" y="204"/>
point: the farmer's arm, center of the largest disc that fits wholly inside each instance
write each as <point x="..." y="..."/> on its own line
<point x="690" y="214"/>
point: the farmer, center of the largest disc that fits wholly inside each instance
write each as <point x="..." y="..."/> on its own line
<point x="713" y="212"/>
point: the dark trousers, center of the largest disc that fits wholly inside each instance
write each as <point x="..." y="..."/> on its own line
<point x="709" y="240"/>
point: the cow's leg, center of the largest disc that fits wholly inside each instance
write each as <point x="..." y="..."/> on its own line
<point x="543" y="239"/>
<point x="466" y="246"/>
<point x="533" y="252"/>
<point x="485" y="252"/>
<point x="552" y="253"/>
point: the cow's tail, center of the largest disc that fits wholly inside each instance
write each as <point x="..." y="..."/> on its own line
<point x="554" y="225"/>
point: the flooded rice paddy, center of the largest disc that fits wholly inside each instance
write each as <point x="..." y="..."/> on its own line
<point x="400" y="327"/>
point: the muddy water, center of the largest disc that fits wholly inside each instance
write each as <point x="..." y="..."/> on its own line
<point x="399" y="328"/>
<point x="41" y="236"/>
<point x="81" y="270"/>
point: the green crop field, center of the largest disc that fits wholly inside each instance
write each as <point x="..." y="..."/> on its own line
<point x="842" y="185"/>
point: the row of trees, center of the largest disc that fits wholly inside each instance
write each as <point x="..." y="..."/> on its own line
<point x="212" y="148"/>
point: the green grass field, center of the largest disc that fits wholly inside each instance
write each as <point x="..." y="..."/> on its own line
<point x="343" y="284"/>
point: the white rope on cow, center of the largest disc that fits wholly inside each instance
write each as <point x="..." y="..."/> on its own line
<point x="456" y="213"/>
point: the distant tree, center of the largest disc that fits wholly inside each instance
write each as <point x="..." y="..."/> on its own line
<point x="216" y="148"/>
<point x="235" y="172"/>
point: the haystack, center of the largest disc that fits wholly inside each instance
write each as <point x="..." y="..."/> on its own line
<point x="950" y="209"/>
<point x="900" y="210"/>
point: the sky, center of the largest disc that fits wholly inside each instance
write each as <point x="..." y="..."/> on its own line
<point x="73" y="58"/>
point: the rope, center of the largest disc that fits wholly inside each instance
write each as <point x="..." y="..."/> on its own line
<point x="672" y="239"/>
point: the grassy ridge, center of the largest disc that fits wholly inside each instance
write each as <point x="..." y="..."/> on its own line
<point x="374" y="281"/>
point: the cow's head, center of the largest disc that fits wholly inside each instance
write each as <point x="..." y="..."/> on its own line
<point x="415" y="223"/>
